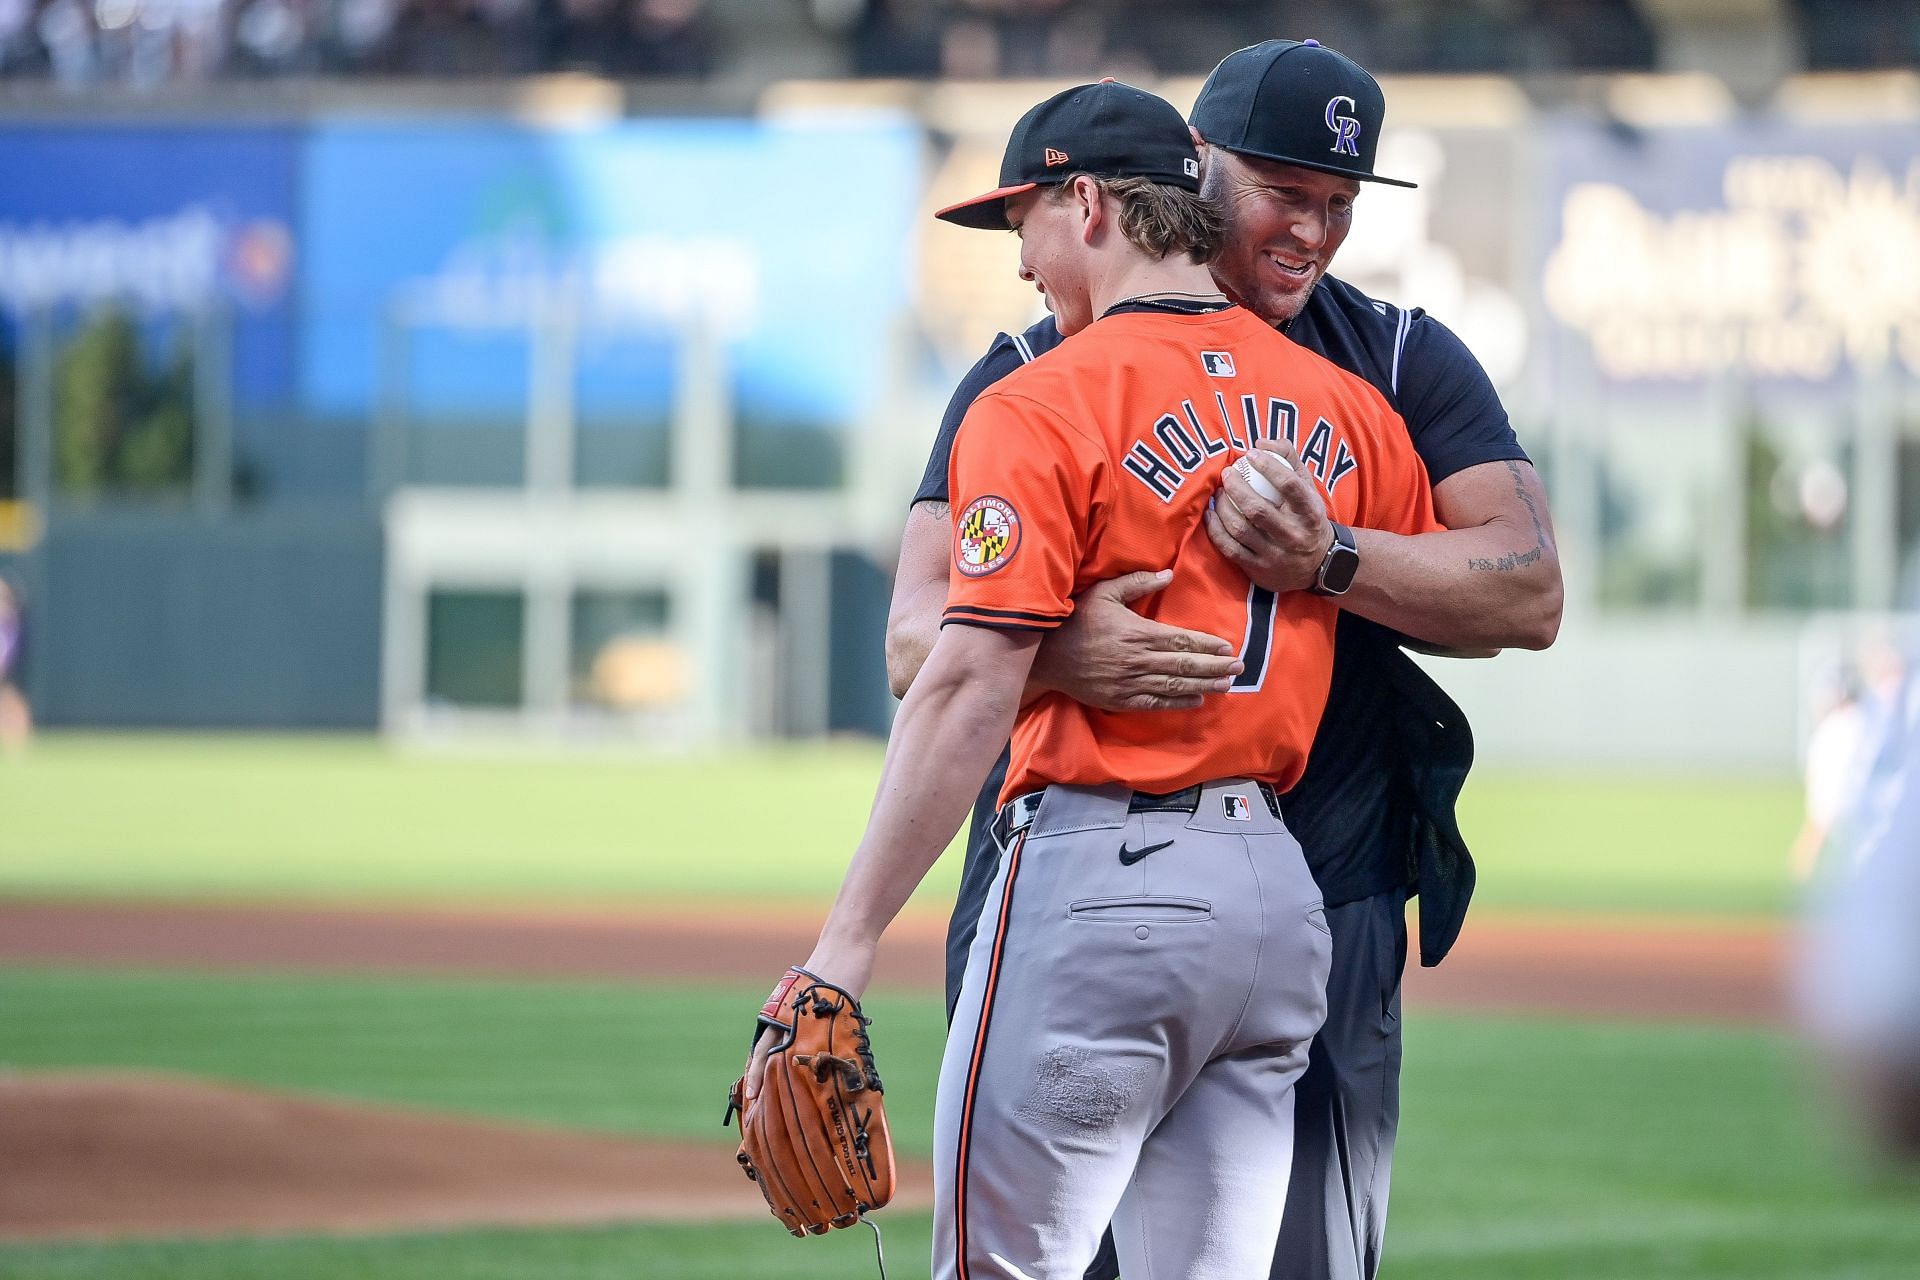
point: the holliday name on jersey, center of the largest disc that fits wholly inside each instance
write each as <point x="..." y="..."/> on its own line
<point x="1178" y="444"/>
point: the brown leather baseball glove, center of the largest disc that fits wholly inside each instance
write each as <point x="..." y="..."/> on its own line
<point x="815" y="1137"/>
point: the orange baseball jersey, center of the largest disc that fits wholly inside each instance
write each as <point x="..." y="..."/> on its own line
<point x="1097" y="460"/>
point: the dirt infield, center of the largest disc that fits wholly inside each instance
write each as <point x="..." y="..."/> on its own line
<point x="104" y="1155"/>
<point x="1723" y="971"/>
<point x="119" y="1155"/>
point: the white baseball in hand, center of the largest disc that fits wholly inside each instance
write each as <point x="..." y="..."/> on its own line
<point x="1259" y="483"/>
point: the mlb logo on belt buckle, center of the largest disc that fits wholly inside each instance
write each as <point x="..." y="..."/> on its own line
<point x="1238" y="807"/>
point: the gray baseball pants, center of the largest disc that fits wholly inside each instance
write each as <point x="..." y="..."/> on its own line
<point x="1138" y="1003"/>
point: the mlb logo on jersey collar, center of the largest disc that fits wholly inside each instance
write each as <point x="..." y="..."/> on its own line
<point x="1218" y="364"/>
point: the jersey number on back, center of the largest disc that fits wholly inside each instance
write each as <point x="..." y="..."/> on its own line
<point x="1257" y="649"/>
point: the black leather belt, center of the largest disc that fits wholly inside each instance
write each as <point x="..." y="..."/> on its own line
<point x="1017" y="814"/>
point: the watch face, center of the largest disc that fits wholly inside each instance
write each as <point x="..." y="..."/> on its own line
<point x="1342" y="563"/>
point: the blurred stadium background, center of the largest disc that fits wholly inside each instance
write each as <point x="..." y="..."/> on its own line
<point x="528" y="392"/>
<point x="401" y="366"/>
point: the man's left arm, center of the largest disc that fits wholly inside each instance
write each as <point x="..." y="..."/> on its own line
<point x="955" y="718"/>
<point x="952" y="724"/>
<point x="1489" y="580"/>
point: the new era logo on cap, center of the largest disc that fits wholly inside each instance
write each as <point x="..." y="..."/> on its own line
<point x="1056" y="158"/>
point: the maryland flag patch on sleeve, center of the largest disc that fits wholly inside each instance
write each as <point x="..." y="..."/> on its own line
<point x="986" y="536"/>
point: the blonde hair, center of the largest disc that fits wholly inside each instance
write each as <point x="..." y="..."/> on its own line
<point x="1160" y="219"/>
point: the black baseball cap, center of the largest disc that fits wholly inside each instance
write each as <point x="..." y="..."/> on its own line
<point x="1298" y="102"/>
<point x="1109" y="129"/>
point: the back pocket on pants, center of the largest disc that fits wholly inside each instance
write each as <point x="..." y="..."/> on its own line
<point x="1157" y="909"/>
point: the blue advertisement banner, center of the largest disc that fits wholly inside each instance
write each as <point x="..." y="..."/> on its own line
<point x="1784" y="254"/>
<point x="791" y="245"/>
<point x="166" y="221"/>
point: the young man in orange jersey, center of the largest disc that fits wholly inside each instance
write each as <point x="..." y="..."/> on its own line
<point x="1150" y="965"/>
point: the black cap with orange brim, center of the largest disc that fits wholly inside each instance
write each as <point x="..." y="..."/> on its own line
<point x="1109" y="129"/>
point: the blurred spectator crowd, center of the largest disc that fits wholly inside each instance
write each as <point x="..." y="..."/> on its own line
<point x="80" y="43"/>
<point x="972" y="38"/>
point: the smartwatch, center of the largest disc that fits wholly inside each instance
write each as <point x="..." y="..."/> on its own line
<point x="1342" y="562"/>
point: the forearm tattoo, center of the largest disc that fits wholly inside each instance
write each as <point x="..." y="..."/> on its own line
<point x="1515" y="560"/>
<point x="1509" y="562"/>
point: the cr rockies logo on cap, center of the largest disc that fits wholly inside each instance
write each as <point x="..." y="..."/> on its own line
<point x="1346" y="129"/>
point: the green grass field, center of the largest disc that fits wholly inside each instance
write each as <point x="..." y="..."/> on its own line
<point x="1531" y="1149"/>
<point x="348" y="819"/>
